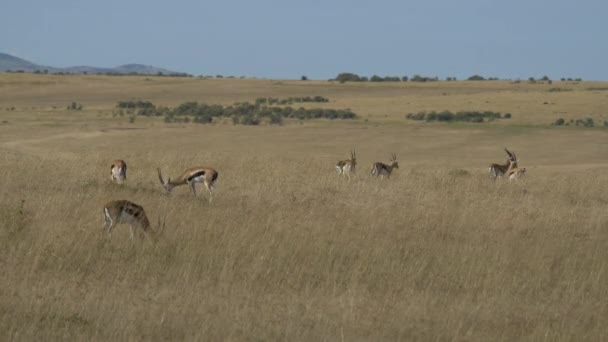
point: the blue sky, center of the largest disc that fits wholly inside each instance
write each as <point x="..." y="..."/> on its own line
<point x="319" y="39"/>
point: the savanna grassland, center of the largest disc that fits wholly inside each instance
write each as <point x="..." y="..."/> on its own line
<point x="287" y="250"/>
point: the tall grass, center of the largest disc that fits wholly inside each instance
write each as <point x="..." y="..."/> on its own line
<point x="284" y="253"/>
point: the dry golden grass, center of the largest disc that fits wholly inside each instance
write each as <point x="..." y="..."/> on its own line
<point x="287" y="250"/>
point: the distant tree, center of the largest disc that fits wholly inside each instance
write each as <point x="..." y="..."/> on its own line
<point x="404" y="78"/>
<point x="348" y="77"/>
<point x="476" y="78"/>
<point x="376" y="78"/>
<point x="545" y="78"/>
<point x="392" y="79"/>
<point x="418" y="78"/>
<point x="304" y="78"/>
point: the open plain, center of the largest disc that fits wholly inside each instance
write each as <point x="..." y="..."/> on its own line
<point x="288" y="250"/>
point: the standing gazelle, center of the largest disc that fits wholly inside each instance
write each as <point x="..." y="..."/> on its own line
<point x="191" y="176"/>
<point x="118" y="171"/>
<point x="381" y="169"/>
<point x="499" y="170"/>
<point x="348" y="166"/>
<point x="123" y="211"/>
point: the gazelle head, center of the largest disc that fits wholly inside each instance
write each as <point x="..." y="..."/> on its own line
<point x="394" y="163"/>
<point x="167" y="185"/>
<point x="118" y="171"/>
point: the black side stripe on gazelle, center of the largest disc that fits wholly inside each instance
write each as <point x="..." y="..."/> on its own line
<point x="198" y="174"/>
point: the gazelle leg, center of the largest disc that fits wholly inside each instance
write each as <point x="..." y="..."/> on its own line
<point x="109" y="230"/>
<point x="132" y="232"/>
<point x="193" y="187"/>
<point x="209" y="187"/>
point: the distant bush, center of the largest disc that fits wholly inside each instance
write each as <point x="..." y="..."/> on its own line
<point x="289" y="100"/>
<point x="134" y="104"/>
<point x="559" y="122"/>
<point x="74" y="106"/>
<point x="586" y="122"/>
<point x="447" y="116"/>
<point x="506" y="116"/>
<point x="245" y="113"/>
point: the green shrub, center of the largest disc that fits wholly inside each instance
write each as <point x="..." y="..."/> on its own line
<point x="447" y="116"/>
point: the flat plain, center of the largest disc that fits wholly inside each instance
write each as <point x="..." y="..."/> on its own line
<point x="288" y="250"/>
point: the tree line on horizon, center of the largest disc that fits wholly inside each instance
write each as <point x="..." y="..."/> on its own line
<point x="352" y="77"/>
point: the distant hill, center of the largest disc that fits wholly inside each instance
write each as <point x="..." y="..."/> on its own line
<point x="12" y="63"/>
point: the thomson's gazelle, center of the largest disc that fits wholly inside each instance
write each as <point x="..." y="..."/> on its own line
<point x="499" y="170"/>
<point x="516" y="173"/>
<point x="348" y="166"/>
<point x="381" y="169"/>
<point x="191" y="176"/>
<point x="123" y="211"/>
<point x="118" y="171"/>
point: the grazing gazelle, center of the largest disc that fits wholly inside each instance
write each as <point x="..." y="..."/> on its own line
<point x="499" y="170"/>
<point x="516" y="173"/>
<point x="191" y="176"/>
<point x="118" y="171"/>
<point x="348" y="166"/>
<point x="123" y="211"/>
<point x="381" y="169"/>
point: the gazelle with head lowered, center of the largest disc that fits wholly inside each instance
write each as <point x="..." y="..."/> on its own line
<point x="191" y="176"/>
<point x="516" y="173"/>
<point x="123" y="211"/>
<point x="381" y="170"/>
<point x="118" y="171"/>
<point x="348" y="166"/>
<point x="499" y="170"/>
